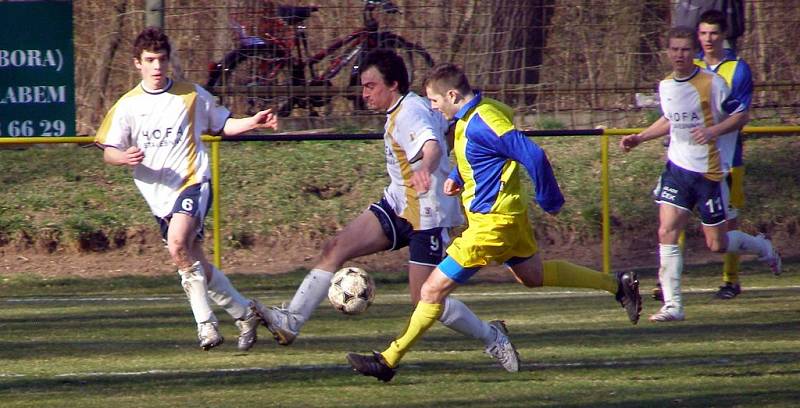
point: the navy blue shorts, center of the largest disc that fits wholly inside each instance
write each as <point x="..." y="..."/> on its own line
<point x="687" y="189"/>
<point x="425" y="247"/>
<point x="194" y="201"/>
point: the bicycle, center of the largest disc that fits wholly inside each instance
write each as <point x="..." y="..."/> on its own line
<point x="278" y="62"/>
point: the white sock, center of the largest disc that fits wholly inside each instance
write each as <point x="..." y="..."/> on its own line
<point x="193" y="281"/>
<point x="669" y="274"/>
<point x="311" y="292"/>
<point x="457" y="316"/>
<point x="222" y="292"/>
<point x="741" y="243"/>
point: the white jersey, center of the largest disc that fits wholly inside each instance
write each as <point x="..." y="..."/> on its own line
<point x="410" y="123"/>
<point x="166" y="125"/>
<point x="699" y="101"/>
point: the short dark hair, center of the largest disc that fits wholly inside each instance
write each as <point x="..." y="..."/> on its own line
<point x="714" y="17"/>
<point x="683" y="32"/>
<point x="390" y="65"/>
<point x="151" y="39"/>
<point x="446" y="76"/>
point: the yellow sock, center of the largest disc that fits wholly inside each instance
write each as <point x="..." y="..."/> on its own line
<point x="730" y="268"/>
<point x="424" y="316"/>
<point x="565" y="274"/>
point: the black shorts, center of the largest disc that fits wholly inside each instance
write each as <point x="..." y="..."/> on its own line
<point x="687" y="189"/>
<point x="195" y="202"/>
<point x="425" y="247"/>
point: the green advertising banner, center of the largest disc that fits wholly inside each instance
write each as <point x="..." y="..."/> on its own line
<point x="37" y="85"/>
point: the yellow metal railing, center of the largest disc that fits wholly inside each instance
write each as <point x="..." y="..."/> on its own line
<point x="215" y="164"/>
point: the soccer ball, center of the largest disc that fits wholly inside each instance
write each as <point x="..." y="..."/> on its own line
<point x="352" y="290"/>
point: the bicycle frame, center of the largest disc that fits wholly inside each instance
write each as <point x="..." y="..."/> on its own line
<point x="297" y="50"/>
<point x="279" y="55"/>
<point x="361" y="40"/>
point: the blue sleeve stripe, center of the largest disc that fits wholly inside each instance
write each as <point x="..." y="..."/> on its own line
<point x="515" y="146"/>
<point x="518" y="147"/>
<point x="456" y="176"/>
<point x="487" y="165"/>
<point x="742" y="84"/>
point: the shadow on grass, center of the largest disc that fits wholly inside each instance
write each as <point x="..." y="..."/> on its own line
<point x="723" y="399"/>
<point x="533" y="377"/>
<point x="175" y="380"/>
<point x="597" y="338"/>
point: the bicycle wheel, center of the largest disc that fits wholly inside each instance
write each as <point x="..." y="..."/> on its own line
<point x="255" y="78"/>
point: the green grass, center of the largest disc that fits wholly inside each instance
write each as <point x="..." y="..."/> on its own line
<point x="315" y="187"/>
<point x="130" y="342"/>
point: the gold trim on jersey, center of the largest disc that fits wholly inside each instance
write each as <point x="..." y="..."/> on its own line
<point x="411" y="211"/>
<point x="105" y="126"/>
<point x="702" y="83"/>
<point x="188" y="93"/>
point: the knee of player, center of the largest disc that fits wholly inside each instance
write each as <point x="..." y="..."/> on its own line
<point x="717" y="245"/>
<point x="667" y="235"/>
<point x="430" y="293"/>
<point x="177" y="248"/>
<point x="329" y="247"/>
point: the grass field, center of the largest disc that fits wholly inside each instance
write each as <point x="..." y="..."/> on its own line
<point x="270" y="190"/>
<point x="129" y="342"/>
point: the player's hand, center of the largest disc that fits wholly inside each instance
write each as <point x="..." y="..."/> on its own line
<point x="420" y="181"/>
<point x="629" y="142"/>
<point x="702" y="135"/>
<point x="451" y="188"/>
<point x="266" y="119"/>
<point x="133" y="156"/>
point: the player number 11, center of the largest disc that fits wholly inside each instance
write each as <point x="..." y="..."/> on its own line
<point x="713" y="205"/>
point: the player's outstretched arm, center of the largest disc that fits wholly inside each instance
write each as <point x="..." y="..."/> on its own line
<point x="129" y="157"/>
<point x="516" y="146"/>
<point x="657" y="129"/>
<point x="261" y="120"/>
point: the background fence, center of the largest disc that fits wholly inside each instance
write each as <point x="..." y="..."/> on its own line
<point x="566" y="63"/>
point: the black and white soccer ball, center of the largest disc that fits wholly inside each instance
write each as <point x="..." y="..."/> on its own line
<point x="352" y="290"/>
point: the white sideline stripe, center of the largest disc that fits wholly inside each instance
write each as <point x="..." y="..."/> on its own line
<point x="88" y="299"/>
<point x="157" y="372"/>
<point x="531" y="293"/>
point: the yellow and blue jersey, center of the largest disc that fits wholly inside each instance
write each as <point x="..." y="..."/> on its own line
<point x="739" y="79"/>
<point x="489" y="150"/>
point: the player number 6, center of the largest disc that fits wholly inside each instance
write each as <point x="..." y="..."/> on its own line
<point x="187" y="204"/>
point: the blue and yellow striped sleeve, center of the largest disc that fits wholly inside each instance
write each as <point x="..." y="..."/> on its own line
<point x="456" y="176"/>
<point x="742" y="84"/>
<point x="498" y="134"/>
<point x="516" y="146"/>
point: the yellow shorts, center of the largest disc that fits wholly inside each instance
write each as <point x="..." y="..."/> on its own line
<point x="493" y="239"/>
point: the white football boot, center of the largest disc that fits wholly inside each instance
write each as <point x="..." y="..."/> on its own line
<point x="668" y="314"/>
<point x="248" y="326"/>
<point x="208" y="334"/>
<point x="502" y="349"/>
<point x="281" y="323"/>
